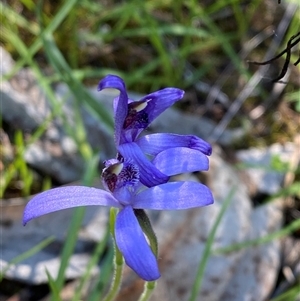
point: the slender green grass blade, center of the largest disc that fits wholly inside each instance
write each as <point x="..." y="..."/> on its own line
<point x="29" y="4"/>
<point x="26" y="176"/>
<point x="15" y="40"/>
<point x="287" y="230"/>
<point x="37" y="248"/>
<point x="59" y="63"/>
<point x="92" y="262"/>
<point x="6" y="177"/>
<point x="53" y="287"/>
<point x="104" y="277"/>
<point x="69" y="245"/>
<point x="144" y="31"/>
<point x="158" y="42"/>
<point x="38" y="43"/>
<point x="13" y="17"/>
<point x="292" y="294"/>
<point x="208" y="246"/>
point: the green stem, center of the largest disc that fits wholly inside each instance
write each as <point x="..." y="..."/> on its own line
<point x="118" y="262"/>
<point x="148" y="290"/>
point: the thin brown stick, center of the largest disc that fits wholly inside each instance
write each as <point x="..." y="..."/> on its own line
<point x="281" y="53"/>
<point x="258" y="75"/>
<point x="286" y="63"/>
<point x="287" y="50"/>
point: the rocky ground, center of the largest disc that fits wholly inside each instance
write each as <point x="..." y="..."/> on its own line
<point x="255" y="273"/>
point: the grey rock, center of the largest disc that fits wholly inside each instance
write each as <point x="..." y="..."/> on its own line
<point x="183" y="235"/>
<point x="7" y="63"/>
<point x="241" y="275"/>
<point x="175" y="121"/>
<point x="56" y="157"/>
<point x="24" y="105"/>
<point x="257" y="270"/>
<point x="259" y="167"/>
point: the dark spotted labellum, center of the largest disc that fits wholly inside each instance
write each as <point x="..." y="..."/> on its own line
<point x="137" y="117"/>
<point x="119" y="175"/>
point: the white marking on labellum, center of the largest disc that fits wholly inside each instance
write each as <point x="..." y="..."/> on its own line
<point x="117" y="168"/>
<point x="140" y="107"/>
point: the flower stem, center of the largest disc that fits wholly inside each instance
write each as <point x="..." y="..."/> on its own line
<point x="118" y="261"/>
<point x="148" y="290"/>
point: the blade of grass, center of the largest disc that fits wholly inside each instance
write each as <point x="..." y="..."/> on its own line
<point x="241" y="21"/>
<point x="292" y="294"/>
<point x="158" y="42"/>
<point x="104" y="277"/>
<point x="17" y="169"/>
<point x="219" y="35"/>
<point x="6" y="177"/>
<point x="126" y="17"/>
<point x="37" y="248"/>
<point x="57" y="60"/>
<point x="87" y="72"/>
<point x="53" y="287"/>
<point x="42" y="80"/>
<point x="287" y="230"/>
<point x="29" y="4"/>
<point x="25" y="174"/>
<point x="84" y="148"/>
<point x="15" y="18"/>
<point x="38" y="43"/>
<point x="92" y="262"/>
<point x="69" y="245"/>
<point x="208" y="246"/>
<point x="144" y="31"/>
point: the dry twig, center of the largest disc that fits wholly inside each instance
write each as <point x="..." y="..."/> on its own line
<point x="287" y="50"/>
<point x="256" y="78"/>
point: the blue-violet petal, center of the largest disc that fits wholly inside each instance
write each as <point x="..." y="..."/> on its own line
<point x="179" y="160"/>
<point x="132" y="243"/>
<point x="155" y="143"/>
<point x="149" y="174"/>
<point x="120" y="103"/>
<point x="160" y="100"/>
<point x="174" y="196"/>
<point x="67" y="197"/>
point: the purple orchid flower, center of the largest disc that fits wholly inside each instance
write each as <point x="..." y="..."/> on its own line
<point x="138" y="178"/>
<point x="132" y="117"/>
<point x="125" y="191"/>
